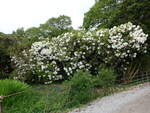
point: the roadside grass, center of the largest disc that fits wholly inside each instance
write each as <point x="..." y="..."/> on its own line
<point x="38" y="99"/>
<point x="52" y="98"/>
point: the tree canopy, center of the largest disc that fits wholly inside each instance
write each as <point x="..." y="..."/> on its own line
<point x="51" y="28"/>
<point x="135" y="11"/>
<point x="100" y="14"/>
<point x="56" y="26"/>
<point x="109" y="13"/>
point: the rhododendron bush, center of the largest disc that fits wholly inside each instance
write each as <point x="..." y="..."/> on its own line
<point x="59" y="58"/>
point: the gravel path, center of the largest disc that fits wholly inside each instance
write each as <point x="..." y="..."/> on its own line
<point x="136" y="100"/>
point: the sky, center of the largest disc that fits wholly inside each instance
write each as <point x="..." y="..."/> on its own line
<point x="31" y="13"/>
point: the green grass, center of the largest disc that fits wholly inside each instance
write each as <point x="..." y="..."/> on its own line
<point x="38" y="99"/>
<point x="51" y="98"/>
<point x="8" y="87"/>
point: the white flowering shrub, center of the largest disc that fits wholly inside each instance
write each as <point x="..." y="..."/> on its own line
<point x="59" y="58"/>
<point x="126" y="42"/>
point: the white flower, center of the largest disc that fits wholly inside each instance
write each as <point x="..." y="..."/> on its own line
<point x="73" y="51"/>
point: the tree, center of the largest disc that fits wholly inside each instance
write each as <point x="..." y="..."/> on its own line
<point x="101" y="13"/>
<point x="135" y="11"/>
<point x="52" y="28"/>
<point x="19" y="32"/>
<point x="56" y="26"/>
<point x="109" y="13"/>
<point x="33" y="33"/>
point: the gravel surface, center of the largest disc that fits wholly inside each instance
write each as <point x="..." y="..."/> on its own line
<point x="136" y="100"/>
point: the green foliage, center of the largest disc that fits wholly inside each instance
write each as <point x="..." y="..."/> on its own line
<point x="51" y="28"/>
<point x="27" y="102"/>
<point x="80" y="90"/>
<point x="20" y="32"/>
<point x="38" y="99"/>
<point x="105" y="78"/>
<point x="33" y="33"/>
<point x="145" y="63"/>
<point x="136" y="11"/>
<point x="5" y="64"/>
<point x="11" y="86"/>
<point x="56" y="26"/>
<point x="6" y="42"/>
<point x="48" y="99"/>
<point x="15" y="89"/>
<point x="109" y="13"/>
<point x="100" y="14"/>
<point x="52" y="60"/>
<point x="120" y="12"/>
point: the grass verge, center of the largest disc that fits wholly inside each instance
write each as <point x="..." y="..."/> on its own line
<point x="51" y="98"/>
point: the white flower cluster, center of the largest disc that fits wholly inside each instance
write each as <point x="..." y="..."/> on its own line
<point x="127" y="40"/>
<point x="60" y="57"/>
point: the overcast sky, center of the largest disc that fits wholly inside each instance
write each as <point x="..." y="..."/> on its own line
<point x="28" y="13"/>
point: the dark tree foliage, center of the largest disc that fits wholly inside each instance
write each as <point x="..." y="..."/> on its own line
<point x="5" y="64"/>
<point x="135" y="11"/>
<point x="5" y="61"/>
<point x="109" y="13"/>
<point x="101" y="14"/>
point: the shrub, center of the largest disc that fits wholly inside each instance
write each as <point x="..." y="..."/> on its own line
<point x="105" y="78"/>
<point x="64" y="55"/>
<point x="80" y="90"/>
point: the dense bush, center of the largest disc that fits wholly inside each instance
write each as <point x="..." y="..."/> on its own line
<point x="80" y="90"/>
<point x="82" y="86"/>
<point x="105" y="78"/>
<point x="60" y="57"/>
